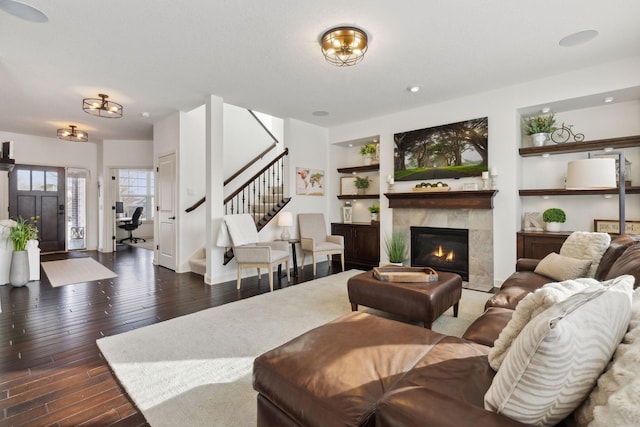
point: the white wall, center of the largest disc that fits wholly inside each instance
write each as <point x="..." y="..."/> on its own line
<point x="191" y="185"/>
<point x="36" y="150"/>
<point x="502" y="107"/>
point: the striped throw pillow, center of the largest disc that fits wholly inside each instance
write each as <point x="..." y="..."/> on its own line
<point x="556" y="359"/>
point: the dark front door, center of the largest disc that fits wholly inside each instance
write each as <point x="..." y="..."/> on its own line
<point x="38" y="191"/>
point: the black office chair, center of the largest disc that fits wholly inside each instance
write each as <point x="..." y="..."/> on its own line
<point x="132" y="225"/>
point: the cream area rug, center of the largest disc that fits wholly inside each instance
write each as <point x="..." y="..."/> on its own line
<point x="75" y="270"/>
<point x="195" y="370"/>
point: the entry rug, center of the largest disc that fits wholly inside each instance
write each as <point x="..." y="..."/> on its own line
<point x="195" y="370"/>
<point x="75" y="270"/>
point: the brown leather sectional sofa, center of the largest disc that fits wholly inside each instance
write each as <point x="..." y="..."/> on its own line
<point x="363" y="370"/>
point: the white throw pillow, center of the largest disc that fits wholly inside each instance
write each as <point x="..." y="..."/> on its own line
<point x="616" y="398"/>
<point x="559" y="267"/>
<point x="555" y="361"/>
<point x="530" y="306"/>
<point x="586" y="245"/>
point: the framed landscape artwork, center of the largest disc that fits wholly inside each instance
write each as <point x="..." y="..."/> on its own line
<point x="455" y="150"/>
<point x="309" y="182"/>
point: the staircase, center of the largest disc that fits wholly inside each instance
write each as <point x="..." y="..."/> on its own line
<point x="262" y="196"/>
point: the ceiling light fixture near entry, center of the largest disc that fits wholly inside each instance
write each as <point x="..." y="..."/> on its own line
<point x="344" y="46"/>
<point x="101" y="107"/>
<point x="72" y="134"/>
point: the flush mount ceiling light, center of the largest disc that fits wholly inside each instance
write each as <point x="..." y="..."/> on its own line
<point x="101" y="107"/>
<point x="72" y="134"/>
<point x="344" y="46"/>
<point x="413" y="89"/>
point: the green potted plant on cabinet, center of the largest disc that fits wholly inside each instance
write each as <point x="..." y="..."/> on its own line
<point x="368" y="152"/>
<point x="396" y="247"/>
<point x="374" y="210"/>
<point x="362" y="183"/>
<point x="539" y="127"/>
<point x="554" y="217"/>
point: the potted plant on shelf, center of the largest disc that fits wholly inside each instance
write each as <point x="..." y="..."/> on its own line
<point x="375" y="210"/>
<point x="368" y="152"/>
<point x="396" y="247"/>
<point x="554" y="217"/>
<point x="20" y="234"/>
<point x="539" y="127"/>
<point x="362" y="183"/>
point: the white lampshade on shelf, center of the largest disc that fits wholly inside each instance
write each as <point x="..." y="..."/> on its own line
<point x="285" y="220"/>
<point x="591" y="174"/>
<point x="599" y="173"/>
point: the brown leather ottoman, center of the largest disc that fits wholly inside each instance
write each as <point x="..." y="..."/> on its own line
<point x="423" y="302"/>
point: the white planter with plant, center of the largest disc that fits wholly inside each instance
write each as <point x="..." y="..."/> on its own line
<point x="20" y="234"/>
<point x="554" y="218"/>
<point x="368" y="153"/>
<point x="362" y="183"/>
<point x="539" y="128"/>
<point x="396" y="247"/>
<point x="374" y="210"/>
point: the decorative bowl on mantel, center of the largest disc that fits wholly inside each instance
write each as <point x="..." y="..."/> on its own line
<point x="430" y="189"/>
<point x="426" y="186"/>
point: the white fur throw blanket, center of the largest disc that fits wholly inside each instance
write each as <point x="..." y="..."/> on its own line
<point x="615" y="401"/>
<point x="530" y="306"/>
<point x="587" y="246"/>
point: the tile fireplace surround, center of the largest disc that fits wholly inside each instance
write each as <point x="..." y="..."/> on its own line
<point x="479" y="222"/>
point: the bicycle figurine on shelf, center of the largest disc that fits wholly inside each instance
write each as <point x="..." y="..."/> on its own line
<point x="562" y="134"/>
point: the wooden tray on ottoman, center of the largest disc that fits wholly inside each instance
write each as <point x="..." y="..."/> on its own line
<point x="405" y="274"/>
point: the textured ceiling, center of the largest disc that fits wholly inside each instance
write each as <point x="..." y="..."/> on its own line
<point x="161" y="56"/>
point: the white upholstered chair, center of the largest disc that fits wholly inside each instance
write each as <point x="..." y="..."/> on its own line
<point x="315" y="241"/>
<point x="250" y="252"/>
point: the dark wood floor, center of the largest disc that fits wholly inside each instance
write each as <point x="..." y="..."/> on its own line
<point x="51" y="371"/>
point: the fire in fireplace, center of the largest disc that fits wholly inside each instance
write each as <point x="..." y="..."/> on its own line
<point x="443" y="249"/>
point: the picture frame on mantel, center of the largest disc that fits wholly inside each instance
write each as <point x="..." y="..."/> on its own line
<point x="612" y="226"/>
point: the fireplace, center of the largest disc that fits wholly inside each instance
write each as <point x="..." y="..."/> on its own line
<point x="443" y="249"/>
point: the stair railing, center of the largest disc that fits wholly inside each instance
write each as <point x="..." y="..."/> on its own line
<point x="262" y="195"/>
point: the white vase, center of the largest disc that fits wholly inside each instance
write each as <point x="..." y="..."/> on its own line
<point x="368" y="158"/>
<point x="539" y="139"/>
<point x="374" y="217"/>
<point x="19" y="275"/>
<point x="553" y="226"/>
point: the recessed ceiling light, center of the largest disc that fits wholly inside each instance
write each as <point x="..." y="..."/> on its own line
<point x="145" y="114"/>
<point x="608" y="99"/>
<point x="320" y="113"/>
<point x="578" y="38"/>
<point x="413" y="89"/>
<point x="375" y="140"/>
<point x="545" y="110"/>
<point x="350" y="145"/>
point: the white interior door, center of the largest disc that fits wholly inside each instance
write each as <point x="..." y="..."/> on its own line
<point x="167" y="211"/>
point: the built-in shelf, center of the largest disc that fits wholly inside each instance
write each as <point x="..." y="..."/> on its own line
<point x="577" y="147"/>
<point x="358" y="196"/>
<point x="565" y="192"/>
<point x="7" y="164"/>
<point x="479" y="199"/>
<point x="357" y="169"/>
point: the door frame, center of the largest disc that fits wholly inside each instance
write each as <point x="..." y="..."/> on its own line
<point x="160" y="260"/>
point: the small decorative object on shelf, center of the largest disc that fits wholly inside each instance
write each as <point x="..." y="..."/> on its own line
<point x="532" y="221"/>
<point x="554" y="217"/>
<point x="368" y="152"/>
<point x="494" y="178"/>
<point x="562" y="134"/>
<point x="485" y="180"/>
<point x="539" y="127"/>
<point x="374" y="210"/>
<point x="390" y="182"/>
<point x="362" y="183"/>
<point x="347" y="213"/>
<point x="426" y="186"/>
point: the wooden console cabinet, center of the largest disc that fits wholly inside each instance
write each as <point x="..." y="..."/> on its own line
<point x="538" y="244"/>
<point x="361" y="243"/>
